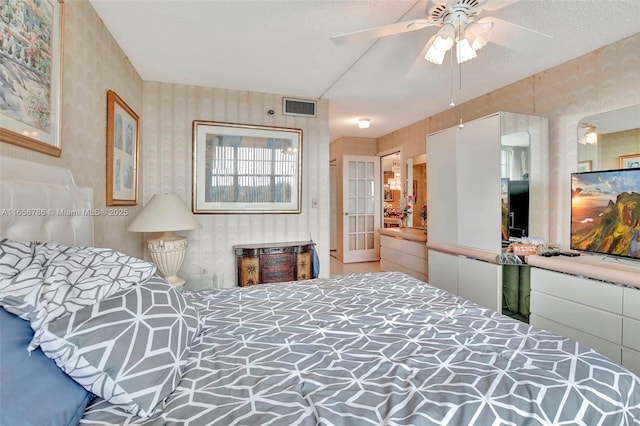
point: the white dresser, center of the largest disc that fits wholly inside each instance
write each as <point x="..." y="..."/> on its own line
<point x="590" y="300"/>
<point x="404" y="250"/>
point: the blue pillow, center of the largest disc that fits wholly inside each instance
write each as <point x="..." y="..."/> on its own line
<point x="33" y="389"/>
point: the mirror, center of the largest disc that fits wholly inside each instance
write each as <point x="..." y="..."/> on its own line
<point x="392" y="206"/>
<point x="610" y="140"/>
<point x="417" y="186"/>
<point x="515" y="166"/>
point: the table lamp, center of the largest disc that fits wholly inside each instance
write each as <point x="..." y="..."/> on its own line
<point x="166" y="213"/>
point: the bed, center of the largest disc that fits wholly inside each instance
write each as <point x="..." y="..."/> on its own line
<point x="370" y="349"/>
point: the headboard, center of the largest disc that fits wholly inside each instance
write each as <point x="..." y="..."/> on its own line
<point x="43" y="203"/>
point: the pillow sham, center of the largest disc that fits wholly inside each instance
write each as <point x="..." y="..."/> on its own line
<point x="60" y="280"/>
<point x="33" y="389"/>
<point x="129" y="348"/>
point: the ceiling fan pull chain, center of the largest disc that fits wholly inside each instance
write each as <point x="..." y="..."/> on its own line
<point x="452" y="104"/>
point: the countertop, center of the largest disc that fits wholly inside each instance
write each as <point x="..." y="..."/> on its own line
<point x="591" y="266"/>
<point x="410" y="234"/>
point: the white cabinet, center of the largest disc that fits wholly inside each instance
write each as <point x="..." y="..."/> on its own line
<point x="631" y="329"/>
<point x="480" y="282"/>
<point x="472" y="279"/>
<point x="601" y="315"/>
<point x="443" y="271"/>
<point x="465" y="168"/>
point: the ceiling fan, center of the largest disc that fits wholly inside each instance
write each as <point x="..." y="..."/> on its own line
<point x="458" y="25"/>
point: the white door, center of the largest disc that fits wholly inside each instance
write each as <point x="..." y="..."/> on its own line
<point x="333" y="191"/>
<point x="361" y="205"/>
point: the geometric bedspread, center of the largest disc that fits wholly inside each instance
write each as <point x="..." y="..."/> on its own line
<point x="380" y="348"/>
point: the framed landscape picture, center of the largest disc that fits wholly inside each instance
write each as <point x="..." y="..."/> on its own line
<point x="630" y="161"/>
<point x="31" y="59"/>
<point x="243" y="168"/>
<point x="123" y="130"/>
<point x="584" y="166"/>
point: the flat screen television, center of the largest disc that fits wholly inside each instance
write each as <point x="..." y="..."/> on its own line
<point x="518" y="208"/>
<point x="605" y="212"/>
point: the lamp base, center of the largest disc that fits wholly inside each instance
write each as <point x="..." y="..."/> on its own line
<point x="167" y="252"/>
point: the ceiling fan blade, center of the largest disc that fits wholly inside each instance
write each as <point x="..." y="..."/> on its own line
<point x="514" y="36"/>
<point x="420" y="64"/>
<point x="382" y="31"/>
<point x="497" y="4"/>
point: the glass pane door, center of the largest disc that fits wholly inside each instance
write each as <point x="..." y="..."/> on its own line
<point x="361" y="208"/>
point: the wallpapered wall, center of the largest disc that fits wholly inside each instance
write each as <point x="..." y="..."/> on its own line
<point x="169" y="111"/>
<point x="603" y="80"/>
<point x="93" y="63"/>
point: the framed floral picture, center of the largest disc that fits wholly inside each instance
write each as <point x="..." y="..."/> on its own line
<point x="123" y="130"/>
<point x="31" y="57"/>
<point x="630" y="161"/>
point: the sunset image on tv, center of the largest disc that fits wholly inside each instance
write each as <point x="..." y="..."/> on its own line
<point x="605" y="212"/>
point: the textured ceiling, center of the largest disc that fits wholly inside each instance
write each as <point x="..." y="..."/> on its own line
<point x="284" y="47"/>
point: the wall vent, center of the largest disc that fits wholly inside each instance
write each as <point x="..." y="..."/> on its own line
<point x="300" y="107"/>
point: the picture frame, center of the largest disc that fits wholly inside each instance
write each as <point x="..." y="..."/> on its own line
<point x="630" y="161"/>
<point x="31" y="114"/>
<point x="123" y="144"/>
<point x="388" y="193"/>
<point x="584" y="166"/>
<point x="244" y="168"/>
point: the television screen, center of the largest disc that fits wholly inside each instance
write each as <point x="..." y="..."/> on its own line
<point x="605" y="212"/>
<point x="518" y="208"/>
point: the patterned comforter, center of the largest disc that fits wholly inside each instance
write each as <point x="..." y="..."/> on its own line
<point x="381" y="348"/>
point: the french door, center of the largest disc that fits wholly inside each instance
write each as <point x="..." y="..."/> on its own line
<point x="361" y="205"/>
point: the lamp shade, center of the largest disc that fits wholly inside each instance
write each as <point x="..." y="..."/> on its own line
<point x="464" y="52"/>
<point x="445" y="37"/>
<point x="478" y="34"/>
<point x="165" y="212"/>
<point x="434" y="54"/>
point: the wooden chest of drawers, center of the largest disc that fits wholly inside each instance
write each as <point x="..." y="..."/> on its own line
<point x="274" y="262"/>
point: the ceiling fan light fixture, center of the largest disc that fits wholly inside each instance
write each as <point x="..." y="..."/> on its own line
<point x="445" y="37"/>
<point x="464" y="52"/>
<point x="434" y="54"/>
<point x="478" y="34"/>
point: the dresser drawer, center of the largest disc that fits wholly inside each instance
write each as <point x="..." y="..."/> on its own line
<point x="391" y="254"/>
<point x="631" y="333"/>
<point x="602" y="346"/>
<point x="631" y="304"/>
<point x="631" y="360"/>
<point x="391" y="243"/>
<point x="416" y="263"/>
<point x="602" y="324"/>
<point x="600" y="295"/>
<point x="414" y="248"/>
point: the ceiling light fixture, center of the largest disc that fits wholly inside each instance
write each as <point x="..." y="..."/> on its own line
<point x="364" y="123"/>
<point x="467" y="35"/>
<point x="590" y="137"/>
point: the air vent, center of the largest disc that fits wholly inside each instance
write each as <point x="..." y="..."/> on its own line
<point x="299" y="107"/>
